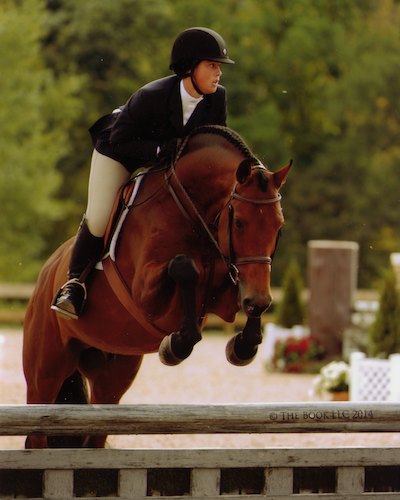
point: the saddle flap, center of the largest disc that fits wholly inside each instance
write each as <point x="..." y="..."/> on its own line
<point x="122" y="204"/>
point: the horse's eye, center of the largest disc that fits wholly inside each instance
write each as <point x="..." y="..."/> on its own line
<point x="238" y="224"/>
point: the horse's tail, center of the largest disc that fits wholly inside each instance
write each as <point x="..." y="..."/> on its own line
<point x="73" y="391"/>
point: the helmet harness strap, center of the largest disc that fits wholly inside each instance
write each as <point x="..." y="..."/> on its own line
<point x="194" y="65"/>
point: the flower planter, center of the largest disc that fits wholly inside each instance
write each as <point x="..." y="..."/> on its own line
<point x="333" y="380"/>
<point x="340" y="396"/>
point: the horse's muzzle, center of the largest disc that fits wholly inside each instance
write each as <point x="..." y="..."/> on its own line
<point x="254" y="307"/>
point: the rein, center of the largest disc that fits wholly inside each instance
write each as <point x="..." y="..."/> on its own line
<point x="232" y="261"/>
<point x="192" y="214"/>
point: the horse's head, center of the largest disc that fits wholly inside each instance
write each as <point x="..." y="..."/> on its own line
<point x="242" y="197"/>
<point x="249" y="230"/>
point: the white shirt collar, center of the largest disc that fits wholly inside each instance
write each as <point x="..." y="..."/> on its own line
<point x="189" y="103"/>
<point x="187" y="98"/>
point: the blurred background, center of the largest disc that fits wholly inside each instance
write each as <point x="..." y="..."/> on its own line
<point x="314" y="80"/>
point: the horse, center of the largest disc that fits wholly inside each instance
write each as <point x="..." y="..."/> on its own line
<point x="194" y="237"/>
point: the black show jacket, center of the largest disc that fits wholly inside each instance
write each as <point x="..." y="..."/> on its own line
<point x="152" y="116"/>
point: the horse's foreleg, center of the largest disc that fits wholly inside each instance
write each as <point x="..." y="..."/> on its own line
<point x="242" y="348"/>
<point x="178" y="346"/>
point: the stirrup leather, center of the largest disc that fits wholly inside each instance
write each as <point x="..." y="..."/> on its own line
<point x="66" y="303"/>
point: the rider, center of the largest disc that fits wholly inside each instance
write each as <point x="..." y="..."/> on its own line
<point x="144" y="131"/>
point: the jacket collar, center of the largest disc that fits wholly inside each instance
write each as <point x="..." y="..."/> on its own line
<point x="175" y="107"/>
<point x="176" y="113"/>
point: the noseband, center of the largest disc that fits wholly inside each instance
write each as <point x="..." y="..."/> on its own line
<point x="232" y="261"/>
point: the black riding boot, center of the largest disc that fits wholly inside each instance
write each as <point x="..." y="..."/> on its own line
<point x="71" y="298"/>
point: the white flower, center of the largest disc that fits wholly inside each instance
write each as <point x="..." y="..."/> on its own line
<point x="333" y="377"/>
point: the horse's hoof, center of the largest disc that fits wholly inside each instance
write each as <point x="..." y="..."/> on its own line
<point x="166" y="352"/>
<point x="232" y="356"/>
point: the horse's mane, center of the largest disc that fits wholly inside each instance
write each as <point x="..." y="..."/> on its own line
<point x="236" y="140"/>
<point x="230" y="135"/>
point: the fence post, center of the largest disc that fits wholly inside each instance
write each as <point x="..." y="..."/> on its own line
<point x="58" y="484"/>
<point x="132" y="483"/>
<point x="205" y="482"/>
<point x="394" y="384"/>
<point x="278" y="481"/>
<point x="332" y="276"/>
<point x="350" y="480"/>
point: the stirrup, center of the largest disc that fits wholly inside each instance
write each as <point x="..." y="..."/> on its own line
<point x="73" y="306"/>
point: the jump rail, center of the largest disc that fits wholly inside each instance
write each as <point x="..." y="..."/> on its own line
<point x="272" y="473"/>
<point x="200" y="419"/>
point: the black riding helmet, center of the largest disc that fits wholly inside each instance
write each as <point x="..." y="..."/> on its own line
<point x="197" y="44"/>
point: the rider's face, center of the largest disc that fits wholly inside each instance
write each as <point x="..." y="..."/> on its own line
<point x="206" y="76"/>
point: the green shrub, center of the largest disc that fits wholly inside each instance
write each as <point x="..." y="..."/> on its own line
<point x="290" y="310"/>
<point x="384" y="334"/>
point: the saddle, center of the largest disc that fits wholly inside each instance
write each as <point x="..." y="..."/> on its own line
<point x="123" y="202"/>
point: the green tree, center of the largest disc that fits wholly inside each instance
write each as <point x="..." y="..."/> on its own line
<point x="34" y="117"/>
<point x="384" y="334"/>
<point x="115" y="47"/>
<point x="316" y="81"/>
<point x="290" y="310"/>
<point x="342" y="88"/>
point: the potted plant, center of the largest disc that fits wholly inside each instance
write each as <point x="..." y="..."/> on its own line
<point x="333" y="379"/>
<point x="297" y="355"/>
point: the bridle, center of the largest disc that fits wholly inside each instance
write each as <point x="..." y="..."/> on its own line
<point x="235" y="261"/>
<point x="190" y="211"/>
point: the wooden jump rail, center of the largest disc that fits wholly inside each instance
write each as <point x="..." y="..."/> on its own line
<point x="200" y="419"/>
<point x="275" y="473"/>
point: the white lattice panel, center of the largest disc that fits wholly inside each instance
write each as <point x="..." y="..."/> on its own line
<point x="374" y="379"/>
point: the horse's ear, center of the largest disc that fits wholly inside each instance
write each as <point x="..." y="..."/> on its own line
<point x="280" y="175"/>
<point x="243" y="170"/>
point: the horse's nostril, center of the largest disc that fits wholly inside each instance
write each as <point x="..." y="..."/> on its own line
<point x="248" y="306"/>
<point x="255" y="307"/>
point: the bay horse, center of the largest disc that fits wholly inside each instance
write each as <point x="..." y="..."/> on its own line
<point x="197" y="237"/>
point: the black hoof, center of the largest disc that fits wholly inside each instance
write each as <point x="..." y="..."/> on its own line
<point x="238" y="352"/>
<point x="173" y="351"/>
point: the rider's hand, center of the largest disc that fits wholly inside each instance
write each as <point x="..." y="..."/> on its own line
<point x="167" y="151"/>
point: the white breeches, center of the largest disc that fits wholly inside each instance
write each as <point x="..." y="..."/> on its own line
<point x="106" y="178"/>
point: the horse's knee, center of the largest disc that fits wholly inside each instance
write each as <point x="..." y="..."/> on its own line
<point x="182" y="269"/>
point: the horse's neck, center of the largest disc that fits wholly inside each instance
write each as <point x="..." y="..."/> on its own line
<point x="209" y="176"/>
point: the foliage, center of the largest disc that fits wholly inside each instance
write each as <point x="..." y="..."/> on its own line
<point x="364" y="87"/>
<point x="316" y="81"/>
<point x="34" y="119"/>
<point x="290" y="310"/>
<point x="297" y="354"/>
<point x="333" y="377"/>
<point x="384" y="334"/>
